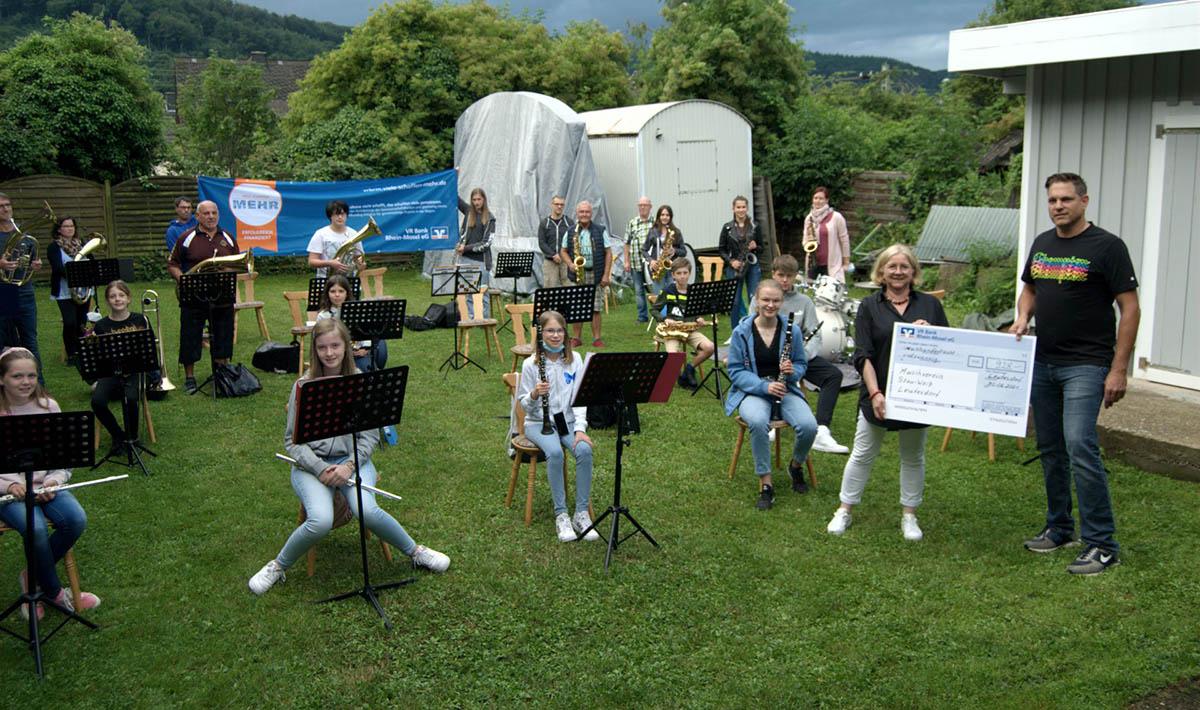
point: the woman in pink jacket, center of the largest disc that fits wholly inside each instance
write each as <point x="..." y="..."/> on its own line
<point x="826" y="227"/>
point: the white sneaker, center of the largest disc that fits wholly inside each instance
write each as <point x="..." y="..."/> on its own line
<point x="562" y="523"/>
<point x="841" y="521"/>
<point x="908" y="525"/>
<point x="771" y="434"/>
<point x="826" y="443"/>
<point x="582" y="521"/>
<point x="430" y="559"/>
<point x="267" y="577"/>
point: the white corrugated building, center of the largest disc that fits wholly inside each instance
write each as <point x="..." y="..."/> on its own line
<point x="693" y="155"/>
<point x="1115" y="97"/>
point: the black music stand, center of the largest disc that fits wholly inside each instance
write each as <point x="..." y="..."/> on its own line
<point x="96" y="273"/>
<point x="575" y="303"/>
<point x="333" y="406"/>
<point x="514" y="265"/>
<point x="37" y="442"/>
<point x="451" y="281"/>
<point x="375" y="320"/>
<point x="710" y="298"/>
<point x="316" y="286"/>
<point x="211" y="290"/>
<point x="121" y="354"/>
<point x="621" y="380"/>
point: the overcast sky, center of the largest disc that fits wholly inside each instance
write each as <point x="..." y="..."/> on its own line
<point x="911" y="31"/>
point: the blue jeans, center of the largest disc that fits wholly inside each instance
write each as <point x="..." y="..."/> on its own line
<point x="69" y="522"/>
<point x="756" y="412"/>
<point x="1066" y="401"/>
<point x="639" y="292"/>
<point x="20" y="329"/>
<point x="552" y="446"/>
<point x="364" y="363"/>
<point x="751" y="278"/>
<point x="317" y="499"/>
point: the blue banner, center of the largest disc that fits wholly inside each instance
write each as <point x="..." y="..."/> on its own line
<point x="416" y="213"/>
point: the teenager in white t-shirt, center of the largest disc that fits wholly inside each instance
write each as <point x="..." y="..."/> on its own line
<point x="327" y="240"/>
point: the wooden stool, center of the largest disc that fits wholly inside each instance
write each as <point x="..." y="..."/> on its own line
<point x="341" y="516"/>
<point x="68" y="563"/>
<point x="246" y="282"/>
<point x="991" y="443"/>
<point x="372" y="281"/>
<point x="776" y="424"/>
<point x="466" y="324"/>
<point x="526" y="339"/>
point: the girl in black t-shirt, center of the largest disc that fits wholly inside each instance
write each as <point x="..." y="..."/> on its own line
<point x="125" y="388"/>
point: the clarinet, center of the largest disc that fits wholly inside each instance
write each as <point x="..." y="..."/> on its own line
<point x="547" y="428"/>
<point x="786" y="354"/>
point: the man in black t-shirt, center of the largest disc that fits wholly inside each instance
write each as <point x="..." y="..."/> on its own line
<point x="1073" y="274"/>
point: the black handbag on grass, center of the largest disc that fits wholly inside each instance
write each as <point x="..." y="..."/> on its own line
<point x="234" y="380"/>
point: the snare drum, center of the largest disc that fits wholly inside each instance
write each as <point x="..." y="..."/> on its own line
<point x="836" y="340"/>
<point x="830" y="290"/>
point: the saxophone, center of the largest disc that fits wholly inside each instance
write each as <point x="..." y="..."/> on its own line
<point x="785" y="354"/>
<point x="664" y="261"/>
<point x="679" y="331"/>
<point x="541" y="361"/>
<point x="579" y="260"/>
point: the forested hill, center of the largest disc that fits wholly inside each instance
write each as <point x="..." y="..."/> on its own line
<point x="830" y="64"/>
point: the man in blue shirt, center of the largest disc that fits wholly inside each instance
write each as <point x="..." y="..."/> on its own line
<point x="185" y="221"/>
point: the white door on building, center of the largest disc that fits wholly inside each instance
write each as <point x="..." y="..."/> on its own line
<point x="1171" y="263"/>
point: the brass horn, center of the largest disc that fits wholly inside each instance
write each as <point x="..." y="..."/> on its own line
<point x="22" y="248"/>
<point x="244" y="260"/>
<point x="95" y="242"/>
<point x="346" y="253"/>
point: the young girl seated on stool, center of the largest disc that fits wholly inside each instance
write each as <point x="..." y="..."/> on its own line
<point x="326" y="466"/>
<point x="337" y="291"/>
<point x="20" y="394"/>
<point x="564" y="368"/>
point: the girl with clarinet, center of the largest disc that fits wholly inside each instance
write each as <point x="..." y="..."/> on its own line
<point x="21" y="394"/>
<point x="766" y="364"/>
<point x="549" y="380"/>
<point x="326" y="467"/>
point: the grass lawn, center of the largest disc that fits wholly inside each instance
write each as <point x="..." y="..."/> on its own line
<point x="737" y="608"/>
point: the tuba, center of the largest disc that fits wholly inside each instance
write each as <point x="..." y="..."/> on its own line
<point x="96" y="241"/>
<point x="347" y="253"/>
<point x="150" y="302"/>
<point x="22" y="248"/>
<point x="243" y="260"/>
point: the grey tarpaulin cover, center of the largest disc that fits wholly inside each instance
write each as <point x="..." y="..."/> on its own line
<point x="523" y="148"/>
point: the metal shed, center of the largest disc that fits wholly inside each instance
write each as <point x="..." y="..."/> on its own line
<point x="950" y="232"/>
<point x="1115" y="97"/>
<point x="693" y="155"/>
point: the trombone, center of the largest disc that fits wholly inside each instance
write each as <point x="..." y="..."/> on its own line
<point x="150" y="303"/>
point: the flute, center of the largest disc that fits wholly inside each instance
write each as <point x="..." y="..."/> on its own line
<point x="55" y="489"/>
<point x="373" y="489"/>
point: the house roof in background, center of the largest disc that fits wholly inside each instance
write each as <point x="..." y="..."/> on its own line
<point x="1003" y="50"/>
<point x="950" y="231"/>
<point x="283" y="75"/>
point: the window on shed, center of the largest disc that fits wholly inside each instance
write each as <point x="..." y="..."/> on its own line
<point x="697" y="166"/>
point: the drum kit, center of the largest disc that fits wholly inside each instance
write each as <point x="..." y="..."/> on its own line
<point x="835" y="314"/>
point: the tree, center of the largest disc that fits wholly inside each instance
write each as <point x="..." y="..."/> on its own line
<point x="226" y="116"/>
<point x="738" y="52"/>
<point x="342" y="147"/>
<point x="414" y="66"/>
<point x="77" y="101"/>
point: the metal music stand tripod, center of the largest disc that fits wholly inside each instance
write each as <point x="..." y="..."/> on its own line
<point x="451" y="281"/>
<point x="333" y="406"/>
<point x="211" y="290"/>
<point x="123" y="354"/>
<point x="711" y="298"/>
<point x="515" y="265"/>
<point x="38" y="442"/>
<point x="622" y="380"/>
<point x="97" y="273"/>
<point x="316" y="287"/>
